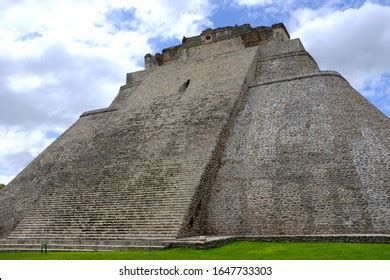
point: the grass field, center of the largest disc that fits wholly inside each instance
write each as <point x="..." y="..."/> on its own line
<point x="232" y="251"/>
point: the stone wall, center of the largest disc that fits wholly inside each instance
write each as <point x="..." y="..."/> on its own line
<point x="243" y="34"/>
<point x="233" y="132"/>
<point x="132" y="170"/>
<point x="307" y="155"/>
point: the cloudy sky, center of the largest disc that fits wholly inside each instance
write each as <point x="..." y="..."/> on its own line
<point x="60" y="58"/>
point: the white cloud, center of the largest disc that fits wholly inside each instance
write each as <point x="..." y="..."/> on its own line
<point x="354" y="42"/>
<point x="171" y="18"/>
<point x="16" y="141"/>
<point x="18" y="147"/>
<point x="6" y="179"/>
<point x="60" y="58"/>
<point x="253" y="2"/>
<point x="19" y="83"/>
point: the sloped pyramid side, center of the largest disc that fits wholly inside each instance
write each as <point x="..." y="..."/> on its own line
<point x="133" y="171"/>
<point x="307" y="155"/>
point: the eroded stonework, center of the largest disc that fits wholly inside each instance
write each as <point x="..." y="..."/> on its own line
<point x="235" y="132"/>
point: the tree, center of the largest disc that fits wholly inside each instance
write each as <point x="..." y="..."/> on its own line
<point x="2" y="186"/>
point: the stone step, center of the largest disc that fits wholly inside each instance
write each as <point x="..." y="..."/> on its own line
<point x="113" y="212"/>
<point x="142" y="234"/>
<point x="91" y="232"/>
<point x="86" y="220"/>
<point x="108" y="211"/>
<point x="79" y="248"/>
<point x="126" y="242"/>
<point x="85" y="192"/>
<point x="92" y="236"/>
<point x="107" y="240"/>
<point x="100" y="228"/>
<point x="123" y="198"/>
<point x="76" y="220"/>
<point x="127" y="207"/>
<point x="96" y="230"/>
<point x="99" y="225"/>
<point x="122" y="194"/>
<point x="103" y="218"/>
<point x="120" y="216"/>
<point x="82" y="220"/>
<point x="115" y="200"/>
<point x="104" y="223"/>
<point x="94" y="216"/>
<point x="107" y="205"/>
<point x="104" y="204"/>
<point x="118" y="237"/>
<point x="112" y="209"/>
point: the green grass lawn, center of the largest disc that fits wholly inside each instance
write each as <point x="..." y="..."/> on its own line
<point x="232" y="251"/>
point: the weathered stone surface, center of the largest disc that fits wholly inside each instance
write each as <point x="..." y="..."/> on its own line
<point x="133" y="171"/>
<point x="235" y="132"/>
<point x="307" y="155"/>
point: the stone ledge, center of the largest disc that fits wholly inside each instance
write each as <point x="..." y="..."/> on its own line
<point x="215" y="241"/>
<point x="199" y="242"/>
<point x="349" y="238"/>
<point x="97" y="111"/>
<point x="283" y="55"/>
<point x="321" y="73"/>
<point x="129" y="85"/>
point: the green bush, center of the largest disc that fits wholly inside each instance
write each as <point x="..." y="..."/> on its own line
<point x="2" y="186"/>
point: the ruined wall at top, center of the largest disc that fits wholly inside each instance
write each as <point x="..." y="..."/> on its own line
<point x="244" y="34"/>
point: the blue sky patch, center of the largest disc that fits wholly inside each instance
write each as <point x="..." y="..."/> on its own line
<point x="51" y="134"/>
<point x="378" y="93"/>
<point x="158" y="44"/>
<point x="121" y="19"/>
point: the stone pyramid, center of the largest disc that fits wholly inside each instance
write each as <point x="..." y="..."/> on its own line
<point x="235" y="132"/>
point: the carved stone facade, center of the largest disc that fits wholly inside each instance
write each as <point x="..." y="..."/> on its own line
<point x="234" y="132"/>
